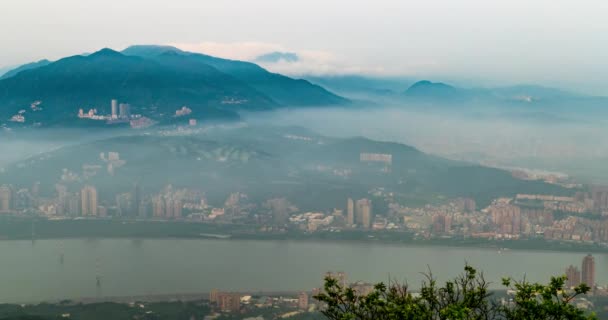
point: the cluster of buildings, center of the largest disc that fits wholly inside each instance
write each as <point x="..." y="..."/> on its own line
<point x="83" y="202"/>
<point x="585" y="275"/>
<point x="577" y="218"/>
<point x="359" y="213"/>
<point x="286" y="305"/>
<point x="524" y="216"/>
<point x="118" y="111"/>
<point x="20" y="116"/>
<point x="183" y="111"/>
<point x="170" y="203"/>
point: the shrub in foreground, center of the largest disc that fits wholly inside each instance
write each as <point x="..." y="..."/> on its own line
<point x="465" y="297"/>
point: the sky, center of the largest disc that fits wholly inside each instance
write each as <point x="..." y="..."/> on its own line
<point x="550" y="42"/>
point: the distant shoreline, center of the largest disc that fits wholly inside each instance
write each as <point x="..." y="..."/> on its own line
<point x="159" y="297"/>
<point x="20" y="229"/>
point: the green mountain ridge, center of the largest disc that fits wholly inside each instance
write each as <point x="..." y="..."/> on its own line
<point x="156" y="81"/>
<point x="284" y="90"/>
<point x="28" y="66"/>
<point x="313" y="171"/>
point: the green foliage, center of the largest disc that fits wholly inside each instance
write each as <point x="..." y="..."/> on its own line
<point x="537" y="301"/>
<point x="466" y="297"/>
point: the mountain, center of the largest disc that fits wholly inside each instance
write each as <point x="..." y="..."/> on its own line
<point x="152" y="88"/>
<point x="434" y="90"/>
<point x="155" y="80"/>
<point x="361" y="86"/>
<point x="24" y="67"/>
<point x="530" y="103"/>
<point x="427" y="90"/>
<point x="284" y="90"/>
<point x="313" y="171"/>
<point x="4" y="70"/>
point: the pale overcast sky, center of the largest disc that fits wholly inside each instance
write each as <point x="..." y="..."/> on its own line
<point x="552" y="42"/>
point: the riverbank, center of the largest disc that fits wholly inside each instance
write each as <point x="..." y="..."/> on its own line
<point x="36" y="228"/>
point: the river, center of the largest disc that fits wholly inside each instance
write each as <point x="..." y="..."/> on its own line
<point x="34" y="271"/>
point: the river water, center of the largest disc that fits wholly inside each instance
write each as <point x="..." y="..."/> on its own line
<point x="34" y="271"/>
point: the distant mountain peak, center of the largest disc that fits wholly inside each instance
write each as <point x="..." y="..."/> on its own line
<point x="426" y="88"/>
<point x="24" y="67"/>
<point x="105" y="52"/>
<point x="430" y="84"/>
<point x="148" y="50"/>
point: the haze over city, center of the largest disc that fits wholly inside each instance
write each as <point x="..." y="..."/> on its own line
<point x="303" y="160"/>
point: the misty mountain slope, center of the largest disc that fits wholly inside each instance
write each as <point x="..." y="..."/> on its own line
<point x="286" y="91"/>
<point x="91" y="81"/>
<point x="24" y="67"/>
<point x="373" y="89"/>
<point x="313" y="171"/>
<point x="434" y="90"/>
<point x="523" y="103"/>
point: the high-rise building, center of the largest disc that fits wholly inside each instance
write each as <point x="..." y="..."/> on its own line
<point x="363" y="213"/>
<point x="469" y="205"/>
<point x="72" y="205"/>
<point x="158" y="207"/>
<point x="124" y="110"/>
<point x="169" y="207"/>
<point x="362" y="288"/>
<point x="507" y="218"/>
<point x="102" y="211"/>
<point x="350" y="212"/>
<point x="448" y="224"/>
<point x="599" y="195"/>
<point x="22" y="199"/>
<point x="6" y="198"/>
<point x="279" y="208"/>
<point x="303" y="301"/>
<point x="136" y="200"/>
<point x="339" y="276"/>
<point x="229" y="302"/>
<point x="213" y="296"/>
<point x="88" y="196"/>
<point x="114" y="109"/>
<point x="588" y="271"/>
<point x="36" y="189"/>
<point x="177" y="209"/>
<point x="442" y="223"/>
<point x="574" y="276"/>
<point x="124" y="204"/>
<point x="144" y="208"/>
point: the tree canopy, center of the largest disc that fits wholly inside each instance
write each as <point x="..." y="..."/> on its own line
<point x="466" y="297"/>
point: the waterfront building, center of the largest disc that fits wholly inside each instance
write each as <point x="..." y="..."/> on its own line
<point x="114" y="109"/>
<point x="88" y="196"/>
<point x="574" y="276"/>
<point x="6" y="198"/>
<point x="363" y="213"/>
<point x="588" y="271"/>
<point x="350" y="212"/>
